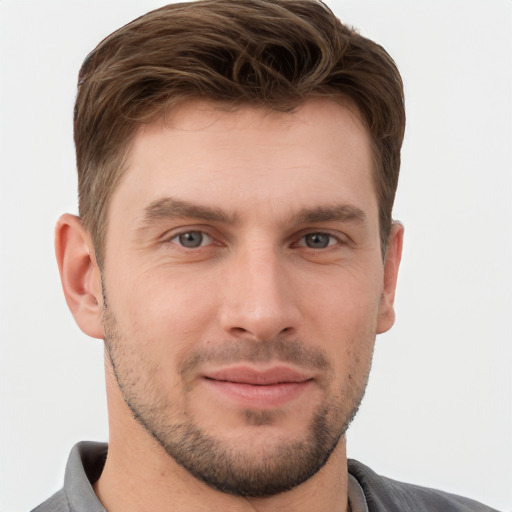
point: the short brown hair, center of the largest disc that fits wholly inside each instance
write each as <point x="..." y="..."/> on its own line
<point x="273" y="53"/>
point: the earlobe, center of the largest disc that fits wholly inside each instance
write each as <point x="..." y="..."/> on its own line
<point x="79" y="273"/>
<point x="391" y="266"/>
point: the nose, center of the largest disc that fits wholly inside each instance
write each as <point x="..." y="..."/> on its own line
<point x="259" y="300"/>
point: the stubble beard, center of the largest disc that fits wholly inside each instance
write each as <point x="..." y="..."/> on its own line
<point x="277" y="468"/>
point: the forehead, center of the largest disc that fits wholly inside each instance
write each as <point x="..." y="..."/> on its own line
<point x="250" y="156"/>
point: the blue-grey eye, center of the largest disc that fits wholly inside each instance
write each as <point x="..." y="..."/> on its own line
<point x="318" y="240"/>
<point x="191" y="239"/>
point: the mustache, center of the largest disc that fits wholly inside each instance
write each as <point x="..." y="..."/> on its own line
<point x="250" y="351"/>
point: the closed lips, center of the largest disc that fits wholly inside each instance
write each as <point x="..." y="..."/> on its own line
<point x="268" y="377"/>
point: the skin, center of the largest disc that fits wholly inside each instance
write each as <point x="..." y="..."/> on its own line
<point x="260" y="288"/>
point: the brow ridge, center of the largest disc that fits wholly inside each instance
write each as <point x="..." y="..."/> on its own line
<point x="169" y="207"/>
<point x="339" y="213"/>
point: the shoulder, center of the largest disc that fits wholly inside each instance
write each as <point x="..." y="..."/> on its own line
<point x="57" y="503"/>
<point x="85" y="464"/>
<point x="384" y="494"/>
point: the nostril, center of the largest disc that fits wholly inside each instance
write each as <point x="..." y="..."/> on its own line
<point x="238" y="330"/>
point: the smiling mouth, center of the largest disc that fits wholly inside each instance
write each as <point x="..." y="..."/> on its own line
<point x="253" y="388"/>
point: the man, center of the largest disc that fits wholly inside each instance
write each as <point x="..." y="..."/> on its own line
<point x="235" y="249"/>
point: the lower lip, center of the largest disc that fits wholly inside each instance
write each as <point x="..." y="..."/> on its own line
<point x="257" y="396"/>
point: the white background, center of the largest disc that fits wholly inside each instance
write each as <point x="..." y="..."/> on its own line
<point x="438" y="410"/>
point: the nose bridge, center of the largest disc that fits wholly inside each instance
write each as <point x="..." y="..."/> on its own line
<point x="258" y="298"/>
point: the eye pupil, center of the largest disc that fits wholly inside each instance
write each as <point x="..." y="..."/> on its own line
<point x="191" y="239"/>
<point x="317" y="240"/>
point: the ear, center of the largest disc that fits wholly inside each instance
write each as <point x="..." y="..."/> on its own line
<point x="391" y="265"/>
<point x="80" y="274"/>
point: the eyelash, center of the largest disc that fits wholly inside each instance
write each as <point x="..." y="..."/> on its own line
<point x="190" y="232"/>
<point x="332" y="239"/>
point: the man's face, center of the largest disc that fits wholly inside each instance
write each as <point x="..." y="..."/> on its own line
<point x="243" y="281"/>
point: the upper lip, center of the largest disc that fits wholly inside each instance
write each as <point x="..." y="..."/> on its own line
<point x="258" y="377"/>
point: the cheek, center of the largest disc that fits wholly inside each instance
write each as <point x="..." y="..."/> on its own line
<point x="346" y="303"/>
<point x="165" y="313"/>
<point x="344" y="319"/>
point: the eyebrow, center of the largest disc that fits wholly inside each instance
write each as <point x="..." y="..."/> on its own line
<point x="168" y="207"/>
<point x="338" y="213"/>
